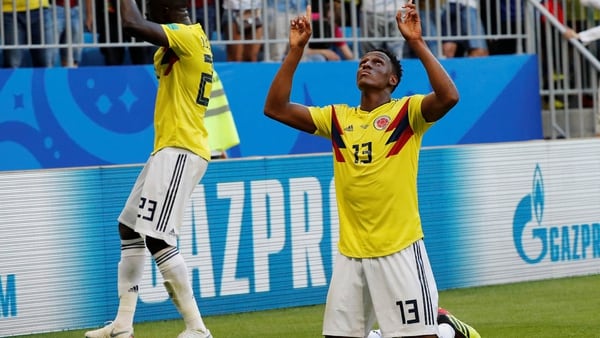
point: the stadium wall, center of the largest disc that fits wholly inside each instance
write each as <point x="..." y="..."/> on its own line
<point x="92" y="116"/>
<point x="260" y="233"/>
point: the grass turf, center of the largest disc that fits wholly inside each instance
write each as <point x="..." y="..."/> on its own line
<point x="566" y="307"/>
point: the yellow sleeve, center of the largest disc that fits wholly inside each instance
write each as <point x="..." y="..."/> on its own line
<point x="417" y="121"/>
<point x="183" y="39"/>
<point x="322" y="119"/>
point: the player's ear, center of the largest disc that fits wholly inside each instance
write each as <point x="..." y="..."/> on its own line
<point x="393" y="80"/>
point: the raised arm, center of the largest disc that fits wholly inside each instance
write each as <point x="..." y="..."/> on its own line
<point x="89" y="16"/>
<point x="586" y="36"/>
<point x="135" y="24"/>
<point x="445" y="95"/>
<point x="277" y="104"/>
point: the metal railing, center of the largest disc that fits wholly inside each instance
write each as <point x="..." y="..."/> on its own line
<point x="568" y="69"/>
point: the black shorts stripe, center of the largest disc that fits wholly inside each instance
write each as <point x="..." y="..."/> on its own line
<point x="428" y="311"/>
<point x="167" y="206"/>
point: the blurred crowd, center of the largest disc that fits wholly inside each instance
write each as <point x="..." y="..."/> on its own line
<point x="46" y="33"/>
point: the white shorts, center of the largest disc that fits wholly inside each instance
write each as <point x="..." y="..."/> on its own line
<point x="398" y="291"/>
<point x="157" y="202"/>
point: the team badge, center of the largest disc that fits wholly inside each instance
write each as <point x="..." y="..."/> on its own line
<point x="381" y="122"/>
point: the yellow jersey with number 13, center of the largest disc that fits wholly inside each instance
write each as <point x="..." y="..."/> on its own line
<point x="375" y="164"/>
<point x="184" y="72"/>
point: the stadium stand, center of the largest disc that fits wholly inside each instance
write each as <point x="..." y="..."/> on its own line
<point x="568" y="70"/>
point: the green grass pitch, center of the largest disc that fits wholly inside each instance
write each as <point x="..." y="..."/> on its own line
<point x="565" y="307"/>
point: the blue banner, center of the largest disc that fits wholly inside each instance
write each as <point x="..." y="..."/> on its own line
<point x="87" y="116"/>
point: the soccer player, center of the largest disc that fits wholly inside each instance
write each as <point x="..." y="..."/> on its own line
<point x="449" y="327"/>
<point x="154" y="210"/>
<point x="382" y="272"/>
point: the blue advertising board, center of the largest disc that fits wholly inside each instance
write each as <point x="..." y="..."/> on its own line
<point x="62" y="117"/>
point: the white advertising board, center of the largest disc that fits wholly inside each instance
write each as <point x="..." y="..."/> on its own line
<point x="261" y="233"/>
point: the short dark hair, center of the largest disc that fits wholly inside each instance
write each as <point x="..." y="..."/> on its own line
<point x="396" y="66"/>
<point x="179" y="3"/>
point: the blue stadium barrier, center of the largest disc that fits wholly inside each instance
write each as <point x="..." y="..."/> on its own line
<point x="91" y="116"/>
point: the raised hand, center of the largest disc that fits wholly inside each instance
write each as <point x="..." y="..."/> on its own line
<point x="300" y="29"/>
<point x="409" y="22"/>
<point x="570" y="34"/>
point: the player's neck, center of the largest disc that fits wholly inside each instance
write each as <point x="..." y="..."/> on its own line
<point x="370" y="101"/>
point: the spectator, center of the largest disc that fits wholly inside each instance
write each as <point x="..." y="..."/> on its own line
<point x="584" y="27"/>
<point x="242" y="20"/>
<point x="109" y="31"/>
<point x="379" y="21"/>
<point x="348" y="7"/>
<point x="505" y="18"/>
<point x="580" y="21"/>
<point x="460" y="19"/>
<point x="327" y="28"/>
<point x="69" y="13"/>
<point x="280" y="12"/>
<point x="551" y="69"/>
<point x="585" y="35"/>
<point x="27" y="23"/>
<point x="429" y="12"/>
<point x="205" y="13"/>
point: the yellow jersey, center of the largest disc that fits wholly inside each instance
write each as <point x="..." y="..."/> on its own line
<point x="375" y="164"/>
<point x="184" y="71"/>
